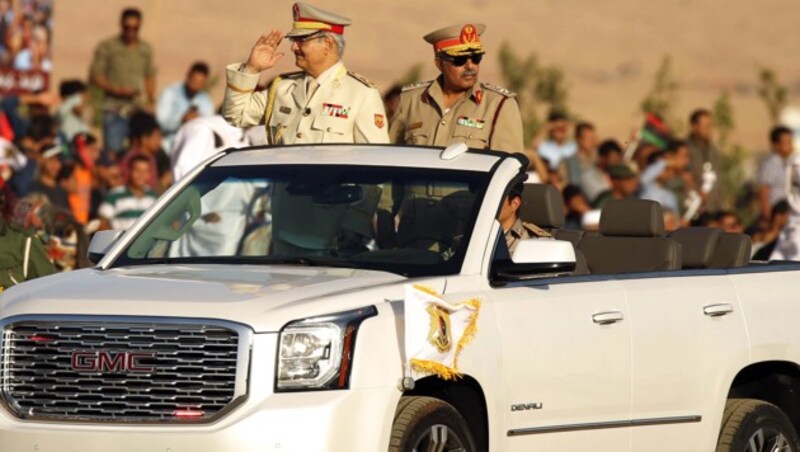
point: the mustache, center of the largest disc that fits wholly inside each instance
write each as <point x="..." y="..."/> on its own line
<point x="469" y="73"/>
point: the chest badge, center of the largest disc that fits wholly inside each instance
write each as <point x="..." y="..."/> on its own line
<point x="470" y="122"/>
<point x="285" y="110"/>
<point x="336" y="111"/>
<point x="379" y="122"/>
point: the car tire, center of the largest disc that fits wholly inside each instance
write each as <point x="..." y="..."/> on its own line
<point x="420" y="422"/>
<point x="753" y="426"/>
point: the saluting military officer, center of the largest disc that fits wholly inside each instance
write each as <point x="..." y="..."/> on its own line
<point x="323" y="103"/>
<point x="456" y="107"/>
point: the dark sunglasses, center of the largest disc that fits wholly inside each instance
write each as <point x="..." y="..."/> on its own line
<point x="130" y="28"/>
<point x="459" y="61"/>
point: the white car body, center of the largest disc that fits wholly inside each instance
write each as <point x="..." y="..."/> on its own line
<point x="654" y="377"/>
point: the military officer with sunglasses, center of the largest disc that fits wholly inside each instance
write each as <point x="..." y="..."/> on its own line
<point x="456" y="107"/>
<point x="322" y="103"/>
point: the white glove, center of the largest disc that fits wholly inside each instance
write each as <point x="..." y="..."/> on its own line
<point x="709" y="179"/>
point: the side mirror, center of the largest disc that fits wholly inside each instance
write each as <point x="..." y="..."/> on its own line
<point x="102" y="241"/>
<point x="535" y="258"/>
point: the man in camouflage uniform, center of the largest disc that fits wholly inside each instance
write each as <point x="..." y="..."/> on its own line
<point x="323" y="103"/>
<point x="514" y="228"/>
<point x="22" y="256"/>
<point x="456" y="107"/>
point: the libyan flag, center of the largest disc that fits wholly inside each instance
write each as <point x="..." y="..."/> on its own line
<point x="436" y="331"/>
<point x="655" y="131"/>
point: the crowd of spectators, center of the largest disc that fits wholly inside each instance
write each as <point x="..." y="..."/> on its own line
<point x="62" y="181"/>
<point x="682" y="174"/>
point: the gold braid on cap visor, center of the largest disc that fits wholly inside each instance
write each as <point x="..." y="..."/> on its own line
<point x="308" y="25"/>
<point x="458" y="48"/>
<point x="465" y="50"/>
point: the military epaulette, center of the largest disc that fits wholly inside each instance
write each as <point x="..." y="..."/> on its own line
<point x="535" y="230"/>
<point x="417" y="85"/>
<point x="497" y="89"/>
<point x="361" y="79"/>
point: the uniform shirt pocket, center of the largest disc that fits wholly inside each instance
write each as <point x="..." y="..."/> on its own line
<point x="416" y="137"/>
<point x="280" y="116"/>
<point x="332" y="125"/>
<point x="476" y="135"/>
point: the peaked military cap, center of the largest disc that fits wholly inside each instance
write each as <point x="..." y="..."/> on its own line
<point x="456" y="40"/>
<point x="621" y="171"/>
<point x="309" y="19"/>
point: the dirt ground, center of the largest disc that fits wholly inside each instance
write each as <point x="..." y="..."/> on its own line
<point x="608" y="49"/>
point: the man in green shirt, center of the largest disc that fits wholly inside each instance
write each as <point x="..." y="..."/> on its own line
<point x="123" y="69"/>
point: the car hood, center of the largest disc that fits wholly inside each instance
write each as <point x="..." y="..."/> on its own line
<point x="263" y="297"/>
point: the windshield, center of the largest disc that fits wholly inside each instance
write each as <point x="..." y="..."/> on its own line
<point x="409" y="221"/>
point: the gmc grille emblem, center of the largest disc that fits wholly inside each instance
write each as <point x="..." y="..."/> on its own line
<point x="121" y="362"/>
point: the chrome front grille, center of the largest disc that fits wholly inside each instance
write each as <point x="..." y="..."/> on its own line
<point x="146" y="370"/>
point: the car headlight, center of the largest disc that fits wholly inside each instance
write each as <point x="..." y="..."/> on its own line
<point x="317" y="353"/>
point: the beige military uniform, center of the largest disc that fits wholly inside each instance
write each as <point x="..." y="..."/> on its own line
<point x="487" y="117"/>
<point x="521" y="231"/>
<point x="344" y="108"/>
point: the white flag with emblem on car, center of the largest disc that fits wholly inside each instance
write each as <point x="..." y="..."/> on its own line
<point x="436" y="331"/>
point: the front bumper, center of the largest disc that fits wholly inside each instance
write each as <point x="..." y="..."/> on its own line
<point x="300" y="421"/>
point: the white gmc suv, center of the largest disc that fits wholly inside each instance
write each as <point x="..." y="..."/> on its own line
<point x="258" y="306"/>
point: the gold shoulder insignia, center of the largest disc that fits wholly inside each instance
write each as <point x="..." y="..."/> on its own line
<point x="497" y="89"/>
<point x="361" y="79"/>
<point x="417" y="85"/>
<point x="535" y="230"/>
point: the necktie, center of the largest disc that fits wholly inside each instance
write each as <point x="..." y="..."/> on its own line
<point x="311" y="88"/>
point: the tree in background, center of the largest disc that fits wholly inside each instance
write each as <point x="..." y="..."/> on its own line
<point x="412" y="75"/>
<point x="537" y="87"/>
<point x="663" y="95"/>
<point x="731" y="174"/>
<point x="551" y="89"/>
<point x="772" y="92"/>
<point x="723" y="118"/>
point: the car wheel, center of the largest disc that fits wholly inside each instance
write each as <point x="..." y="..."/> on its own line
<point x="754" y="426"/>
<point x="426" y="423"/>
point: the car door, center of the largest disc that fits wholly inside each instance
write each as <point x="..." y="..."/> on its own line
<point x="565" y="347"/>
<point x="688" y="340"/>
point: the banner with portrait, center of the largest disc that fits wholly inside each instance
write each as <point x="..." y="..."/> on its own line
<point x="26" y="28"/>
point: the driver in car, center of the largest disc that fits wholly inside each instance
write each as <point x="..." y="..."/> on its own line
<point x="514" y="228"/>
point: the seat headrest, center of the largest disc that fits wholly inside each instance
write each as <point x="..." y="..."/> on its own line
<point x="632" y="218"/>
<point x="542" y="205"/>
<point x="698" y="244"/>
<point x="733" y="250"/>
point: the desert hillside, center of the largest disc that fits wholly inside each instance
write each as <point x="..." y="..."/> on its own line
<point x="608" y="49"/>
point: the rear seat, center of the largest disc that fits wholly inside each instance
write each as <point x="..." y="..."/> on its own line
<point x="698" y="245"/>
<point x="712" y="248"/>
<point x="631" y="240"/>
<point x="733" y="250"/>
<point x="543" y="206"/>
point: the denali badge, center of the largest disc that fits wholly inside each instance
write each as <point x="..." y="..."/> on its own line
<point x="526" y="406"/>
<point x="111" y="362"/>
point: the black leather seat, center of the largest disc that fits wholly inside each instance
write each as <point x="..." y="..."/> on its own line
<point x="631" y="240"/>
<point x="698" y="245"/>
<point x="543" y="206"/>
<point x="733" y="250"/>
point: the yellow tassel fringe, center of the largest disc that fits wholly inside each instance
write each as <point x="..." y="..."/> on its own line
<point x="438" y="369"/>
